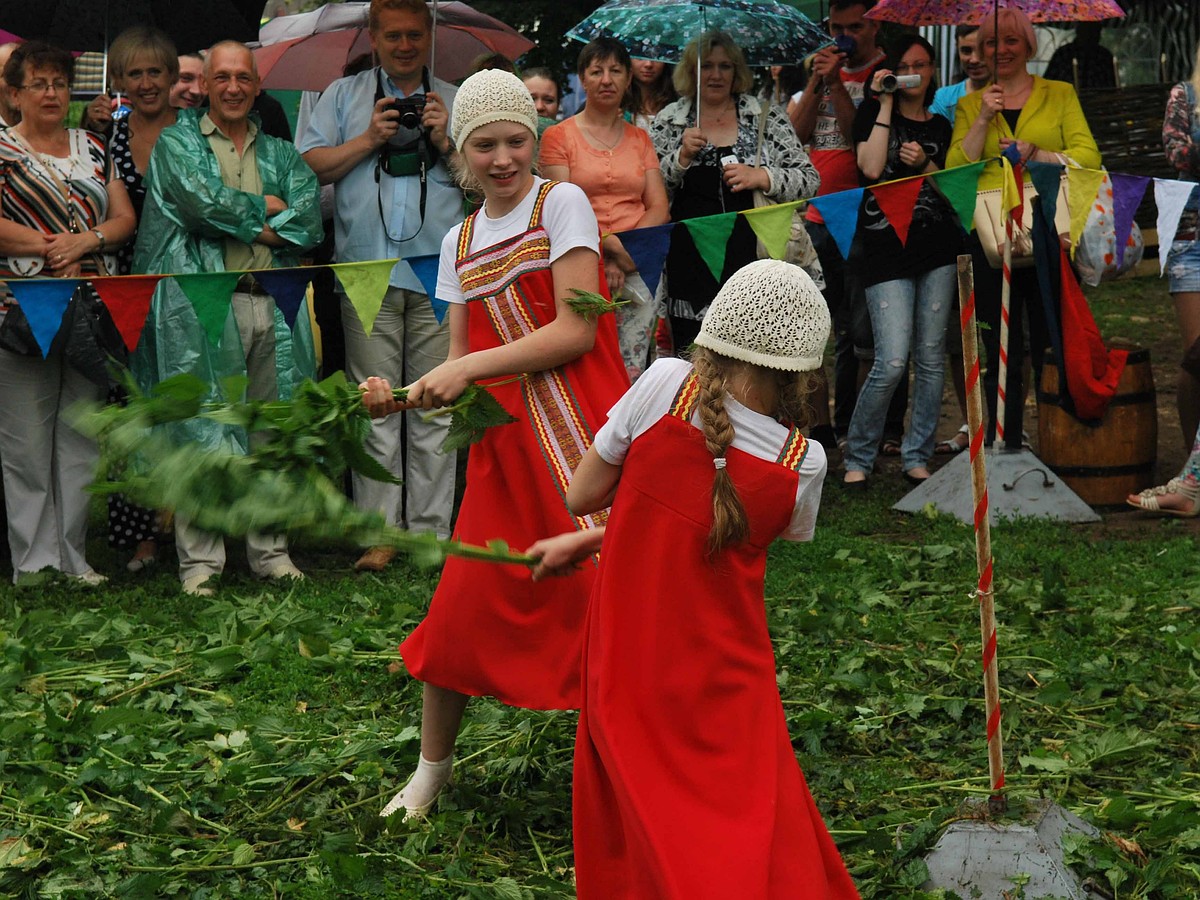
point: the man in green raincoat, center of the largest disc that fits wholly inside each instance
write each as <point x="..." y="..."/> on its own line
<point x="222" y="196"/>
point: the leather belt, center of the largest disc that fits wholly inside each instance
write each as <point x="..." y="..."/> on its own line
<point x="1185" y="235"/>
<point x="248" y="284"/>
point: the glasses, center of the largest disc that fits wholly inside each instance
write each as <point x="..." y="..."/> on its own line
<point x="913" y="67"/>
<point x="40" y="87"/>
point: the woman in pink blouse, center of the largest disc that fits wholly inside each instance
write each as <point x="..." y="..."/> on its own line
<point x="616" y="165"/>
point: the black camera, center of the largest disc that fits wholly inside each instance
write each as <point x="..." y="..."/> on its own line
<point x="410" y="109"/>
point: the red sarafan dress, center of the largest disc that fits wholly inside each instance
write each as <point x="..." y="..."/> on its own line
<point x="491" y="630"/>
<point x="686" y="784"/>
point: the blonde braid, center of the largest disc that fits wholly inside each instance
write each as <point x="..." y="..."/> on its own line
<point x="730" y="525"/>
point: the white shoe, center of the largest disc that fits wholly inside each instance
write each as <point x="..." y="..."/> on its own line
<point x="196" y="586"/>
<point x="427" y="783"/>
<point x="90" y="578"/>
<point x="284" y="570"/>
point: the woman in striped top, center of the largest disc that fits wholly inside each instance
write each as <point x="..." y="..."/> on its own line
<point x="61" y="208"/>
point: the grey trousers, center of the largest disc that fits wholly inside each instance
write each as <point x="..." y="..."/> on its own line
<point x="405" y="343"/>
<point x="47" y="464"/>
<point x="202" y="552"/>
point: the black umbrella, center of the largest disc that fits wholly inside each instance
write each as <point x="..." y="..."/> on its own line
<point x="92" y="24"/>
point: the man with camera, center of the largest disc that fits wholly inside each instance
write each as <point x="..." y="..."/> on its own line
<point x="824" y="120"/>
<point x="224" y="196"/>
<point x="380" y="138"/>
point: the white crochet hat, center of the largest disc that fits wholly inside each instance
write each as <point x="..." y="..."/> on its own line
<point x="768" y="313"/>
<point x="492" y="95"/>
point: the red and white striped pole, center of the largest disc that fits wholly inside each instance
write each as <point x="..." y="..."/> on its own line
<point x="1005" y="303"/>
<point x="983" y="533"/>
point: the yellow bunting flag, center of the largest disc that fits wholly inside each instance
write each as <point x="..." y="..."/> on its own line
<point x="365" y="283"/>
<point x="1083" y="186"/>
<point x="1010" y="193"/>
<point x="773" y="225"/>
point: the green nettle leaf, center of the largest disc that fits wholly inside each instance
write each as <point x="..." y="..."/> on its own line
<point x="243" y="855"/>
<point x="290" y="480"/>
<point x="591" y="305"/>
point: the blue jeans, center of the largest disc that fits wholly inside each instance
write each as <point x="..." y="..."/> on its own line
<point x="908" y="315"/>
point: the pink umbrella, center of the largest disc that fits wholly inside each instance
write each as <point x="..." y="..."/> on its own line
<point x="307" y="51"/>
<point x="973" y="12"/>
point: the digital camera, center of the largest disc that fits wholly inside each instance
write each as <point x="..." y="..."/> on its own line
<point x="891" y="83"/>
<point x="846" y="44"/>
<point x="410" y="110"/>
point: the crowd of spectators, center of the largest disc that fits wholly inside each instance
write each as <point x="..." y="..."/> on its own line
<point x="204" y="165"/>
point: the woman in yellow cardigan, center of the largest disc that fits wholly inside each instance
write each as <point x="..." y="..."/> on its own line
<point x="1043" y="118"/>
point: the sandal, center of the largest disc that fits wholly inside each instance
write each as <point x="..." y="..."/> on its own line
<point x="957" y="444"/>
<point x="1147" y="500"/>
<point x="889" y="447"/>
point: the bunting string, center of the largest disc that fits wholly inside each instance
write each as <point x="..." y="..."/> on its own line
<point x="128" y="297"/>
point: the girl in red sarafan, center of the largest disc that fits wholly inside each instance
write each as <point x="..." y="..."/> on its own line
<point x="507" y="273"/>
<point x="686" y="784"/>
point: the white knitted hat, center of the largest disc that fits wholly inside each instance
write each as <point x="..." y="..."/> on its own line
<point x="492" y="95"/>
<point x="768" y="313"/>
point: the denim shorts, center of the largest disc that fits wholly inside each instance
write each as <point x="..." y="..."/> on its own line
<point x="1183" y="267"/>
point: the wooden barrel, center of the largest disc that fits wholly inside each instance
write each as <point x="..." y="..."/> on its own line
<point x="1102" y="461"/>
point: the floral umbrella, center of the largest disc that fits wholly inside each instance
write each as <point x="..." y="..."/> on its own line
<point x="973" y="12"/>
<point x="767" y="32"/>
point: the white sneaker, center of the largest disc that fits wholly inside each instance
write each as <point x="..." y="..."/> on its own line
<point x="284" y="570"/>
<point x="90" y="578"/>
<point x="196" y="586"/>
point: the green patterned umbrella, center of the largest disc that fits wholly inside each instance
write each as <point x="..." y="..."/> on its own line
<point x="767" y="32"/>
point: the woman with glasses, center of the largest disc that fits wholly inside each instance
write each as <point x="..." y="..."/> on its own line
<point x="909" y="284"/>
<point x="61" y="207"/>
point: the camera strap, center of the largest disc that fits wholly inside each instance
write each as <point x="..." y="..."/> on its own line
<point x="426" y="158"/>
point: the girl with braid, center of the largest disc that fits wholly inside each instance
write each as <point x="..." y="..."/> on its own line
<point x="686" y="784"/>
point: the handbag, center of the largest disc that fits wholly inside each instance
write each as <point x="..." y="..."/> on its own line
<point x="92" y="345"/>
<point x="989" y="224"/>
<point x="15" y="334"/>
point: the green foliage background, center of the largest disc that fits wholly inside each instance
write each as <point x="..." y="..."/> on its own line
<point x="154" y="745"/>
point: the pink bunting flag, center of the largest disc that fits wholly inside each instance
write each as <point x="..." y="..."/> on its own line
<point x="897" y="201"/>
<point x="128" y="302"/>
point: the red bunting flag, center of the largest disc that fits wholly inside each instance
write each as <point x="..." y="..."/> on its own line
<point x="897" y="201"/>
<point x="128" y="302"/>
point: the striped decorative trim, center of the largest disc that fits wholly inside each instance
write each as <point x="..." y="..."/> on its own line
<point x="686" y="398"/>
<point x="795" y="449"/>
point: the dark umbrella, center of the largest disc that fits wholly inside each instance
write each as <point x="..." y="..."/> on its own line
<point x="92" y="24"/>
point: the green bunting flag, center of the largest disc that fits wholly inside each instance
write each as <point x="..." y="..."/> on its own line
<point x="959" y="186"/>
<point x="210" y="294"/>
<point x="710" y="234"/>
<point x="773" y="225"/>
<point x="365" y="283"/>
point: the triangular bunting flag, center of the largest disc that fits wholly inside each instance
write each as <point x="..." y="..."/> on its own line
<point x="1083" y="187"/>
<point x="1046" y="178"/>
<point x="1012" y="153"/>
<point x="1128" y="191"/>
<point x="1012" y="191"/>
<point x="1171" y="196"/>
<point x="897" y="201"/>
<point x="426" y="270"/>
<point x="365" y="283"/>
<point x="1091" y="369"/>
<point x="711" y="234"/>
<point x="959" y="186"/>
<point x="840" y="212"/>
<point x="647" y="247"/>
<point x="210" y="294"/>
<point x="43" y="300"/>
<point x="128" y="302"/>
<point x="287" y="287"/>
<point x="773" y="225"/>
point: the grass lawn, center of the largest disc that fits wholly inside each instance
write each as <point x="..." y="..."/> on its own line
<point x="153" y="745"/>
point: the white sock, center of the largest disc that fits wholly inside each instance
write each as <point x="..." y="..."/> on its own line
<point x="423" y="787"/>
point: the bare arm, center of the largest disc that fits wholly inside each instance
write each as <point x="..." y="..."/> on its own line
<point x="332" y="164"/>
<point x="593" y="484"/>
<point x="562" y="554"/>
<point x="566" y="338"/>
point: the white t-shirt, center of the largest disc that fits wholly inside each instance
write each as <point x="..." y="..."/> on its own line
<point x="650" y="399"/>
<point x="567" y="216"/>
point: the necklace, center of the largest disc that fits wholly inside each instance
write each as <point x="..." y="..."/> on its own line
<point x="595" y="138"/>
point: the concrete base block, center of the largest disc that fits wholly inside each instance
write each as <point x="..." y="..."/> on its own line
<point x="1019" y="485"/>
<point x="993" y="861"/>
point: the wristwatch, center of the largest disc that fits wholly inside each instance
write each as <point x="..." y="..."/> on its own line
<point x="103" y="240"/>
